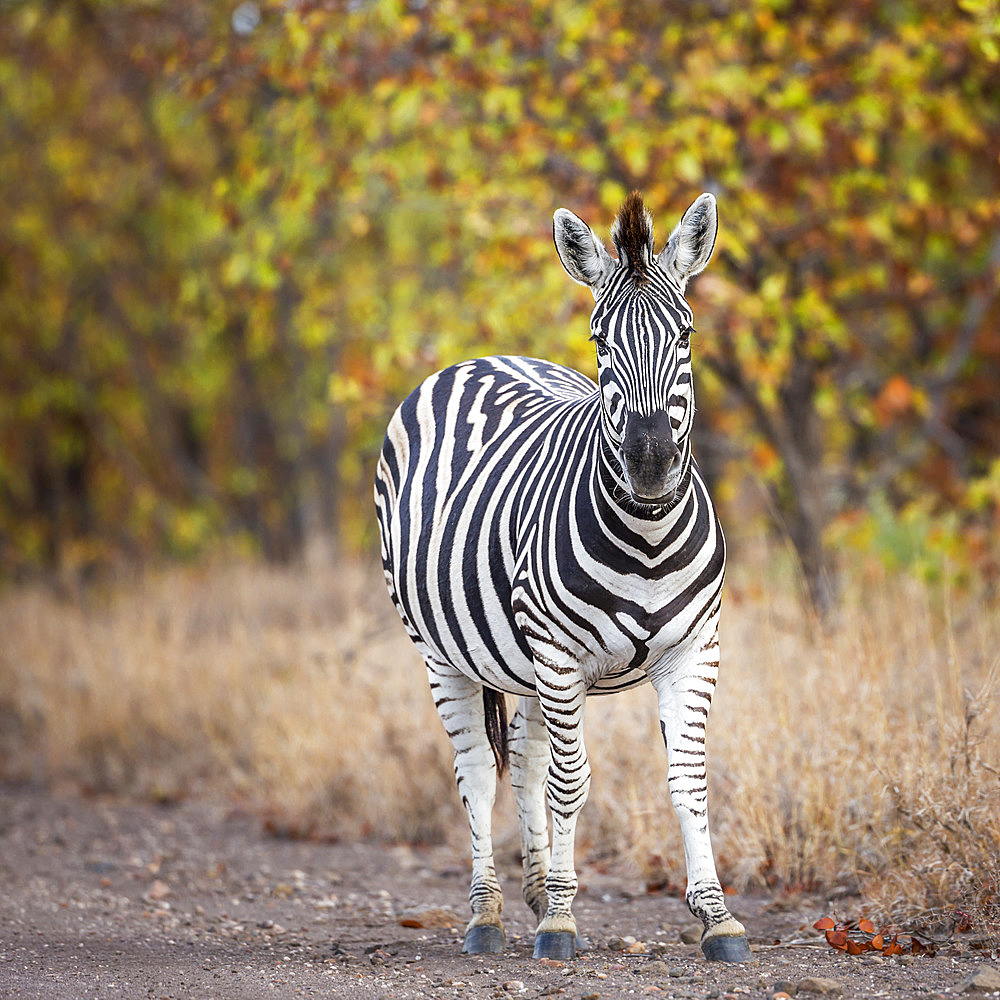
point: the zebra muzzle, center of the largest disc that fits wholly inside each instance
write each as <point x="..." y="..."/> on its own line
<point x="650" y="457"/>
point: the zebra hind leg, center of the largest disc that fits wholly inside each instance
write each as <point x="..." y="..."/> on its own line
<point x="459" y="702"/>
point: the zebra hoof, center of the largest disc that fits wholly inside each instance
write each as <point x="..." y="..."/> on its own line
<point x="726" y="948"/>
<point x="556" y="944"/>
<point x="582" y="944"/>
<point x="484" y="939"/>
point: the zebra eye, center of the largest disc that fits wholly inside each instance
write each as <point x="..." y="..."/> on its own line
<point x="685" y="342"/>
<point x="602" y="345"/>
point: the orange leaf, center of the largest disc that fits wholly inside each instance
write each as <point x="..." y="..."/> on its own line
<point x="895" y="398"/>
<point x="893" y="948"/>
<point x="867" y="926"/>
<point x="857" y="947"/>
<point x="877" y="942"/>
<point x="765" y="458"/>
<point x="824" y="924"/>
<point x="837" y="939"/>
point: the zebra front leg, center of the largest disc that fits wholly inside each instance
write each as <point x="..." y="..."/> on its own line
<point x="459" y="702"/>
<point x="529" y="767"/>
<point x="562" y="698"/>
<point x="685" y="697"/>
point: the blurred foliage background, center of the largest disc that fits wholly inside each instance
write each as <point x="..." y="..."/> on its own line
<point x="234" y="236"/>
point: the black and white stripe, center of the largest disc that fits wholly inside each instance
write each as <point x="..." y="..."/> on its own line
<point x="552" y="538"/>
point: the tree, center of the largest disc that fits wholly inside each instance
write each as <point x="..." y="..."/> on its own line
<point x="235" y="251"/>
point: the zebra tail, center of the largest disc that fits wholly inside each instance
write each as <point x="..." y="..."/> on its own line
<point x="496" y="726"/>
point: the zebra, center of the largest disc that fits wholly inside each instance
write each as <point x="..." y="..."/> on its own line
<point x="548" y="537"/>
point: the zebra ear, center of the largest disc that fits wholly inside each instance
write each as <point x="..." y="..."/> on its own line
<point x="581" y="252"/>
<point x="692" y="242"/>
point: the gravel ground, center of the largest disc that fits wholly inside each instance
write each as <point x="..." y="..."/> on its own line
<point x="105" y="898"/>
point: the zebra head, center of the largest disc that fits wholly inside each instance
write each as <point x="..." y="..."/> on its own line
<point x="642" y="326"/>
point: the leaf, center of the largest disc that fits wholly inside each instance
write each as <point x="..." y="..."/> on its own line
<point x="877" y="942"/>
<point x="857" y="947"/>
<point x="837" y="939"/>
<point x="866" y="925"/>
<point x="824" y="924"/>
<point x="894" y="947"/>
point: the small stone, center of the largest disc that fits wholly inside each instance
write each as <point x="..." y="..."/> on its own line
<point x="158" y="890"/>
<point x="428" y="916"/>
<point x="986" y="979"/>
<point x="591" y="996"/>
<point x="817" y="984"/>
<point x="691" y="935"/>
<point x="615" y="943"/>
<point x="784" y="986"/>
<point x="636" y="948"/>
<point x="676" y="971"/>
<point x="514" y="986"/>
<point x="552" y="963"/>
<point x="781" y="995"/>
<point x="656" y="968"/>
<point x="551" y="991"/>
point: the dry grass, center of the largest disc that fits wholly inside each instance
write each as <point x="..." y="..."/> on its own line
<point x="294" y="691"/>
<point x="867" y="753"/>
<point x="864" y="755"/>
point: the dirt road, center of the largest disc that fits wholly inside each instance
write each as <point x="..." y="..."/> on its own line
<point x="103" y="898"/>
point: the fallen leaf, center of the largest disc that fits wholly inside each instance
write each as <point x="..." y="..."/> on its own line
<point x="430" y="916"/>
<point x="837" y="939"/>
